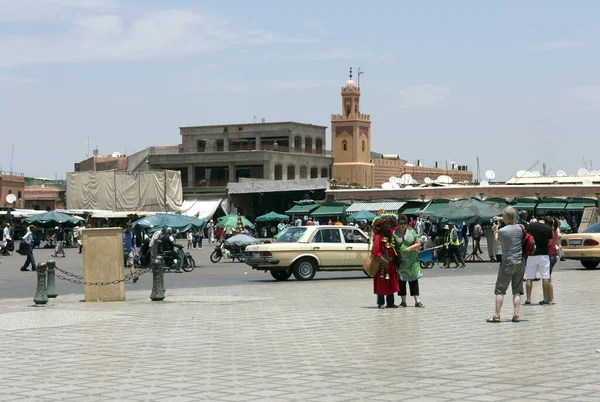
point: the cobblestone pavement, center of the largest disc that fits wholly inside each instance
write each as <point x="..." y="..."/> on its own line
<point x="317" y="341"/>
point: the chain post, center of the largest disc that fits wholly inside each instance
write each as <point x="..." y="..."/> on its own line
<point x="41" y="295"/>
<point x="158" y="280"/>
<point x="51" y="283"/>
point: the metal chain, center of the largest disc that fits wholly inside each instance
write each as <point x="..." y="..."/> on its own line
<point x="78" y="278"/>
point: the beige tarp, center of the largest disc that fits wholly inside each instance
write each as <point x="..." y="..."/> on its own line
<point x="148" y="190"/>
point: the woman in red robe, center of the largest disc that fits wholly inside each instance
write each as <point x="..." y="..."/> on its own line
<point x="385" y="282"/>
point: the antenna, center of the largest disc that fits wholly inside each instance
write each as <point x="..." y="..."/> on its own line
<point x="525" y="173"/>
<point x="88" y="152"/>
<point x="584" y="162"/>
<point x="12" y="154"/>
<point x="359" y="74"/>
<point x="478" y="170"/>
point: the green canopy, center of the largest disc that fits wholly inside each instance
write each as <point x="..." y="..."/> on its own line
<point x="329" y="211"/>
<point x="435" y="205"/>
<point x="579" y="205"/>
<point x="231" y="220"/>
<point x="302" y="209"/>
<point x="467" y="210"/>
<point x="411" y="211"/>
<point x="524" y="204"/>
<point x="52" y="218"/>
<point x="360" y="215"/>
<point x="551" y="205"/>
<point x="179" y="223"/>
<point x="272" y="217"/>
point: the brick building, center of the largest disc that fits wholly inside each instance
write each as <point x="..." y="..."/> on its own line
<point x="116" y="161"/>
<point x="12" y="183"/>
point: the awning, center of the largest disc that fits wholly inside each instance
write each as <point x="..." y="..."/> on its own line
<point x="551" y="206"/>
<point x="329" y="210"/>
<point x="203" y="209"/>
<point x="388" y="206"/>
<point x="434" y="205"/>
<point x="302" y="209"/>
<point x="411" y="211"/>
<point x="579" y="206"/>
<point x="119" y="214"/>
<point x="23" y="213"/>
<point x="524" y="206"/>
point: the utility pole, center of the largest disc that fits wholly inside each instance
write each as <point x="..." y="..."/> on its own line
<point x="478" y="177"/>
<point x="359" y="73"/>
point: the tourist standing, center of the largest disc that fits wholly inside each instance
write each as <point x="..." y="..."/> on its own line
<point x="190" y="239"/>
<point x="385" y="281"/>
<point x="477" y="233"/>
<point x="407" y="244"/>
<point x="210" y="231"/>
<point x="28" y="241"/>
<point x="540" y="260"/>
<point x="554" y="223"/>
<point x="492" y="245"/>
<point x="510" y="239"/>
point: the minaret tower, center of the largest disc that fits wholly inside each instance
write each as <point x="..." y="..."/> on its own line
<point x="351" y="140"/>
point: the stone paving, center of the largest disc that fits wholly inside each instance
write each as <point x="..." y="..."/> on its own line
<point x="305" y="341"/>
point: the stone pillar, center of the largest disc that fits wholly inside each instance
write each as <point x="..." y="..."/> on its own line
<point x="268" y="170"/>
<point x="103" y="262"/>
<point x="257" y="139"/>
<point x="41" y="295"/>
<point x="191" y="176"/>
<point x="232" y="172"/>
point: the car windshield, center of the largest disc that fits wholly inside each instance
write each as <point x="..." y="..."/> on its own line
<point x="595" y="228"/>
<point x="290" y="235"/>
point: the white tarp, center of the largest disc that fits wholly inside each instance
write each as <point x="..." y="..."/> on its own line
<point x="203" y="209"/>
<point x="148" y="190"/>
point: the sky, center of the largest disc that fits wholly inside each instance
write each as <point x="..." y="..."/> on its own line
<point x="509" y="81"/>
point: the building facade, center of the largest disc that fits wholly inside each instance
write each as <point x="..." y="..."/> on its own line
<point x="102" y="163"/>
<point x="210" y="157"/>
<point x="12" y="183"/>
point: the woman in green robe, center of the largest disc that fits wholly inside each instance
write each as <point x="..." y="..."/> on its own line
<point x="407" y="245"/>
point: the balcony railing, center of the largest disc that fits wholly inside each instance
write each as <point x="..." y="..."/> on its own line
<point x="9" y="173"/>
<point x="243" y="148"/>
<point x="165" y="150"/>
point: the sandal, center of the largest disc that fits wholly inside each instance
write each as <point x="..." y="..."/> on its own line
<point x="527" y="302"/>
<point x="420" y="305"/>
<point x="495" y="318"/>
<point x="544" y="302"/>
<point x="403" y="304"/>
<point x="515" y="318"/>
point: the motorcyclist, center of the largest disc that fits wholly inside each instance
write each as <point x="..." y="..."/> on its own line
<point x="168" y="247"/>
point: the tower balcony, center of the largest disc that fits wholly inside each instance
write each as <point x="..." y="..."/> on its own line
<point x="352" y="116"/>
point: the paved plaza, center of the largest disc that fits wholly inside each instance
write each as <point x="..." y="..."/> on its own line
<point x="322" y="340"/>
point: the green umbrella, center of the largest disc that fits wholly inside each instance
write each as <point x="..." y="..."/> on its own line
<point x="181" y="223"/>
<point x="360" y="215"/>
<point x="230" y="221"/>
<point x="467" y="210"/>
<point x="272" y="217"/>
<point x="52" y="218"/>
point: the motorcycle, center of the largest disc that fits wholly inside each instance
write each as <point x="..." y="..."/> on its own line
<point x="188" y="264"/>
<point x="224" y="250"/>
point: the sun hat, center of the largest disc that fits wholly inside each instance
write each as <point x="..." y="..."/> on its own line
<point x="385" y="217"/>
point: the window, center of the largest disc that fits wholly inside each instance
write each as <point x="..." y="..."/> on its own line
<point x="290" y="235"/>
<point x="308" y="144"/>
<point x="278" y="172"/>
<point x="201" y="144"/>
<point x="344" y="145"/>
<point x="291" y="170"/>
<point x="298" y="143"/>
<point x="319" y="146"/>
<point x="314" y="173"/>
<point x="353" y="236"/>
<point x="303" y="172"/>
<point x="364" y="146"/>
<point x="325" y="173"/>
<point x="19" y="195"/>
<point x="220" y="145"/>
<point x="327" y="236"/>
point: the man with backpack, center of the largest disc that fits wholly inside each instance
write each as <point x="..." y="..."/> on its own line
<point x="540" y="260"/>
<point x="510" y="238"/>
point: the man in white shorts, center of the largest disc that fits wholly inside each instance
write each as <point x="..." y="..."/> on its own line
<point x="540" y="260"/>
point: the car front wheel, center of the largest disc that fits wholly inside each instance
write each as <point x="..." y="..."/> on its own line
<point x="590" y="264"/>
<point x="281" y="275"/>
<point x="305" y="269"/>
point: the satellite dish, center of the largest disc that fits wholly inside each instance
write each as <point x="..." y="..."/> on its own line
<point x="116" y="154"/>
<point x="409" y="186"/>
<point x="561" y="173"/>
<point x="594" y="173"/>
<point x="414" y="182"/>
<point x="407" y="178"/>
<point x="490" y="174"/>
<point x="521" y="173"/>
<point x="11" y="198"/>
<point x="484" y="183"/>
<point x="444" y="179"/>
<point x="583" y="172"/>
<point x="393" y="179"/>
<point x="387" y="186"/>
<point x="587" y="182"/>
<point x="395" y="186"/>
<point x="428" y="180"/>
<point x="528" y="174"/>
<point x="535" y="173"/>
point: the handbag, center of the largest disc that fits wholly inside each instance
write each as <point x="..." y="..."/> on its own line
<point x="22" y="248"/>
<point x="372" y="265"/>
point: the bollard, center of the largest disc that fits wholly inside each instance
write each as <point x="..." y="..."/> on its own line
<point x="51" y="283"/>
<point x="41" y="297"/>
<point x="158" y="280"/>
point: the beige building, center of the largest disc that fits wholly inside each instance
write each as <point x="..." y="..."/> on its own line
<point x="102" y="163"/>
<point x="210" y="157"/>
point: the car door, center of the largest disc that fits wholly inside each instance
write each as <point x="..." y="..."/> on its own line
<point x="357" y="247"/>
<point x="327" y="245"/>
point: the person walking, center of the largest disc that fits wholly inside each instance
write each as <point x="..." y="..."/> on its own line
<point x="554" y="223"/>
<point x="453" y="244"/>
<point x="28" y="241"/>
<point x="199" y="238"/>
<point x="512" y="267"/>
<point x="60" y="242"/>
<point x="492" y="245"/>
<point x="385" y="281"/>
<point x="477" y="234"/>
<point x="190" y="239"/>
<point x="6" y="237"/>
<point x="155" y="241"/>
<point x="129" y="250"/>
<point x="540" y="260"/>
<point x="407" y="244"/>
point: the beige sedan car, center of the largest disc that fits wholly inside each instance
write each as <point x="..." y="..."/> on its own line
<point x="304" y="250"/>
<point x="583" y="246"/>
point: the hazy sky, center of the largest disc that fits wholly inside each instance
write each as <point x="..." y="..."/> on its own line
<point x="512" y="82"/>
